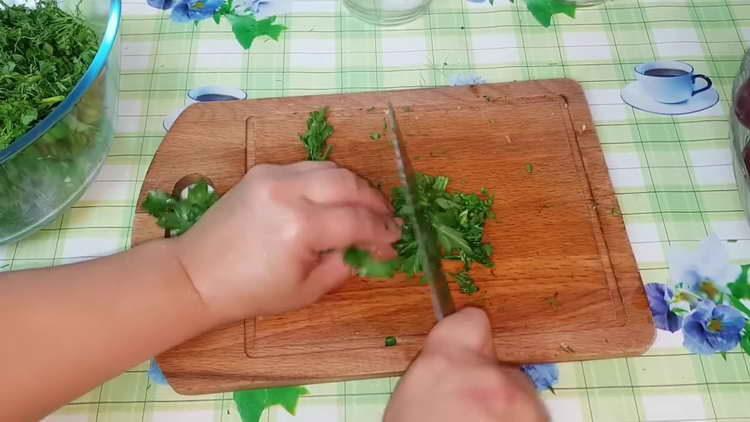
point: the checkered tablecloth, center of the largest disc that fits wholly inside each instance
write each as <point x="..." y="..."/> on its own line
<point x="673" y="176"/>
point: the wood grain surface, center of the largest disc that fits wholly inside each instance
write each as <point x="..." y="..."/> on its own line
<point x="565" y="285"/>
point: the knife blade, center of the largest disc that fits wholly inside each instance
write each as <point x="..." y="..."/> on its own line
<point x="442" y="300"/>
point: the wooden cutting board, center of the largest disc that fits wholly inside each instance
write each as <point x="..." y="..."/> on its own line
<point x="565" y="286"/>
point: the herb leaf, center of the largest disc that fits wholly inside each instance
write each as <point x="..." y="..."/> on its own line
<point x="316" y="137"/>
<point x="368" y="266"/>
<point x="177" y="215"/>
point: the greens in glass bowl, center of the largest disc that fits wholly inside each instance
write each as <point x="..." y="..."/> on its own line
<point x="59" y="80"/>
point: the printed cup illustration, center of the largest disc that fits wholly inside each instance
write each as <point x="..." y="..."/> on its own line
<point x="206" y="94"/>
<point x="670" y="82"/>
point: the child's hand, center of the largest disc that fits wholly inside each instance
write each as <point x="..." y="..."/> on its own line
<point x="275" y="242"/>
<point x="457" y="378"/>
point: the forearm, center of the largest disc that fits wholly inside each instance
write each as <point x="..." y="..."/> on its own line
<point x="65" y="331"/>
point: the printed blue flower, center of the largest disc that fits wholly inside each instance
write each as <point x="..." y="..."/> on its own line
<point x="464" y="79"/>
<point x="712" y="328"/>
<point x="161" y="4"/>
<point x="706" y="271"/>
<point x="263" y="9"/>
<point x="155" y="374"/>
<point x="544" y="377"/>
<point x="195" y="10"/>
<point x="659" y="297"/>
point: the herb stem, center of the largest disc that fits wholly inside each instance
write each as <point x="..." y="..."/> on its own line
<point x="52" y="100"/>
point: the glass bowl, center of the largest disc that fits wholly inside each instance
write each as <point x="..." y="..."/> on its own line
<point x="47" y="169"/>
<point x="387" y="12"/>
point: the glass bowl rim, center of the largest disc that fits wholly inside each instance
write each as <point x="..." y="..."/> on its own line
<point x="92" y="73"/>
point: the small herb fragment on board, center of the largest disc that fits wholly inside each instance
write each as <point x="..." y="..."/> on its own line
<point x="529" y="168"/>
<point x="316" y="137"/>
<point x="177" y="215"/>
<point x="375" y="136"/>
<point x="390" y="341"/>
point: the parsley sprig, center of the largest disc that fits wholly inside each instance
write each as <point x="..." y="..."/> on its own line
<point x="177" y="215"/>
<point x="316" y="137"/>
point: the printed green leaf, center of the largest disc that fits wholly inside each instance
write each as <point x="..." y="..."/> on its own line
<point x="745" y="342"/>
<point x="739" y="305"/>
<point x="543" y="10"/>
<point x="741" y="288"/>
<point x="246" y="29"/>
<point x="252" y="403"/>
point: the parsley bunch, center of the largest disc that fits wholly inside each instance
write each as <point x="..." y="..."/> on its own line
<point x="458" y="219"/>
<point x="44" y="52"/>
<point x="177" y="215"/>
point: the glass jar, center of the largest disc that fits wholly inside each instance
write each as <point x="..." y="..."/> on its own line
<point x="739" y="120"/>
<point x="48" y="168"/>
<point x="387" y="12"/>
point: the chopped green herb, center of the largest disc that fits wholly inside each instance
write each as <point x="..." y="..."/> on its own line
<point x="529" y="168"/>
<point x="177" y="215"/>
<point x="466" y="283"/>
<point x="375" y="136"/>
<point x="316" y="137"/>
<point x="552" y="301"/>
<point x="44" y="52"/>
<point x="459" y="220"/>
<point x="367" y="266"/>
<point x="390" y="341"/>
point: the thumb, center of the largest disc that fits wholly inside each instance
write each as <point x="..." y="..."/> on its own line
<point x="468" y="330"/>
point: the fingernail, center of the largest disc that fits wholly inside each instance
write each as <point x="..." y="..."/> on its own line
<point x="399" y="222"/>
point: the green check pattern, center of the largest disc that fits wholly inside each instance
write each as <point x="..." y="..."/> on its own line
<point x="673" y="175"/>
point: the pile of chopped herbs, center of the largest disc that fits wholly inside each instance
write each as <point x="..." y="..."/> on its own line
<point x="44" y="52"/>
<point x="458" y="218"/>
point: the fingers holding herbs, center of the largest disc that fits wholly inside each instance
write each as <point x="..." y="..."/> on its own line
<point x="275" y="242"/>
